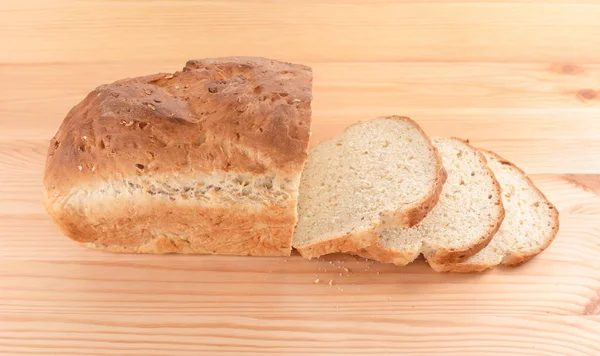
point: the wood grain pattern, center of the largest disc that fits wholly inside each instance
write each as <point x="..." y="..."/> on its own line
<point x="521" y="77"/>
<point x="95" y="31"/>
<point x="184" y="334"/>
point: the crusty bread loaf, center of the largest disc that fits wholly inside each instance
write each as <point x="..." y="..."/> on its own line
<point x="464" y="220"/>
<point x="530" y="224"/>
<point x="383" y="172"/>
<point x="206" y="160"/>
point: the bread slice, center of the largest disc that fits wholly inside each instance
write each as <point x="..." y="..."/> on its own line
<point x="383" y="172"/>
<point x="530" y="224"/>
<point x="466" y="217"/>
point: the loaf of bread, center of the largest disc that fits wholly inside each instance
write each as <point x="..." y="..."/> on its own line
<point x="530" y="224"/>
<point x="205" y="160"/>
<point x="468" y="214"/>
<point x="379" y="173"/>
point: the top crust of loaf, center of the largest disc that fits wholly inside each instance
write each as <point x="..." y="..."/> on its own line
<point x="497" y="252"/>
<point x="398" y="213"/>
<point x="238" y="114"/>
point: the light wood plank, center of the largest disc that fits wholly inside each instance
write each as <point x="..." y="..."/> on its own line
<point x="546" y="153"/>
<point x="578" y="241"/>
<point x="562" y="280"/>
<point x="80" y="334"/>
<point x="538" y="112"/>
<point x="408" y="84"/>
<point x="22" y="166"/>
<point x="457" y="32"/>
<point x="490" y="100"/>
<point x="222" y="285"/>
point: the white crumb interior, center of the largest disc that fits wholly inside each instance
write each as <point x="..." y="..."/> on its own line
<point x="352" y="181"/>
<point x="220" y="189"/>
<point x="466" y="208"/>
<point x="528" y="221"/>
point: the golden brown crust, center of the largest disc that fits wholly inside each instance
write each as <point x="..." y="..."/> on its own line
<point x="340" y="244"/>
<point x="228" y="114"/>
<point x="382" y="254"/>
<point x="356" y="242"/>
<point x="511" y="258"/>
<point x="440" y="256"/>
<point x="464" y="267"/>
<point x="238" y="114"/>
<point x="182" y="228"/>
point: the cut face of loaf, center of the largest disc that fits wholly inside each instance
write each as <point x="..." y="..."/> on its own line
<point x="205" y="160"/>
<point x="464" y="220"/>
<point x="383" y="172"/>
<point x="530" y="224"/>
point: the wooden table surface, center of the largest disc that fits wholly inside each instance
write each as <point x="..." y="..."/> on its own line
<point x="521" y="77"/>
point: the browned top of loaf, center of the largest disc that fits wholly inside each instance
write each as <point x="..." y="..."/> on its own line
<point x="237" y="114"/>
